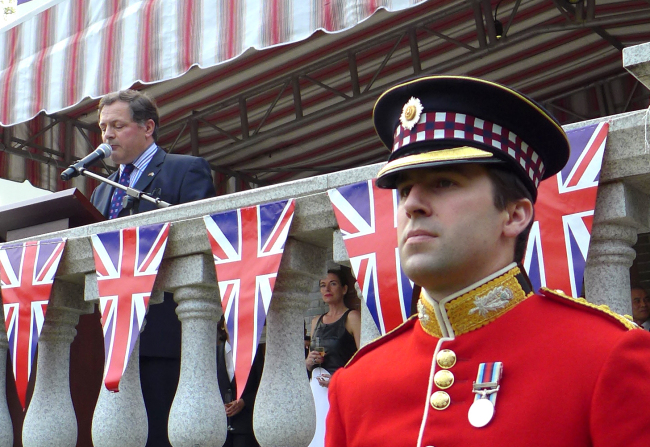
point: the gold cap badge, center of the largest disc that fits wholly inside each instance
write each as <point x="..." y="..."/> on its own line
<point x="411" y="113"/>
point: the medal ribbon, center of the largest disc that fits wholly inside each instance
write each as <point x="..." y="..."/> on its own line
<point x="489" y="373"/>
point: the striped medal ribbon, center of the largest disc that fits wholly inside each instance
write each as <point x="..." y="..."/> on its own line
<point x="485" y="388"/>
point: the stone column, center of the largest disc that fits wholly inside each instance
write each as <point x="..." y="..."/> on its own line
<point x="6" y="429"/>
<point x="284" y="410"/>
<point x="197" y="416"/>
<point x="50" y="418"/>
<point x="120" y="419"/>
<point x="620" y="211"/>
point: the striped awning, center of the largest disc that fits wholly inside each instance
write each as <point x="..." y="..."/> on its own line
<point x="54" y="59"/>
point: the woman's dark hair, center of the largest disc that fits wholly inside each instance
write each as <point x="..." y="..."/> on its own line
<point x="222" y="334"/>
<point x="143" y="107"/>
<point x="346" y="278"/>
<point x="507" y="188"/>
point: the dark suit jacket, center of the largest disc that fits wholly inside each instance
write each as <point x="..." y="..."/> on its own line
<point x="174" y="179"/>
<point x="242" y="422"/>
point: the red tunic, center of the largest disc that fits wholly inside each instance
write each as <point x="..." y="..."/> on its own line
<point x="573" y="376"/>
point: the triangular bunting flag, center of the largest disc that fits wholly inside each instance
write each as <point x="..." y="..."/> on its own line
<point x="247" y="245"/>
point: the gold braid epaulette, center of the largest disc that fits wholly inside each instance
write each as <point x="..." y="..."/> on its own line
<point x="604" y="308"/>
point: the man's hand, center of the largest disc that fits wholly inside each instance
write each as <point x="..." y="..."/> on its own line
<point x="234" y="407"/>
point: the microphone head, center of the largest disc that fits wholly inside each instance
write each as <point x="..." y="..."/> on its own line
<point x="106" y="149"/>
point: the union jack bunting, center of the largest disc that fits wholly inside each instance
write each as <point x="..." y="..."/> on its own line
<point x="127" y="263"/>
<point x="367" y="218"/>
<point x="247" y="245"/>
<point x="26" y="278"/>
<point x="556" y="253"/>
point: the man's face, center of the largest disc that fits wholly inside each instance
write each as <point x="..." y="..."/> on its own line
<point x="127" y="138"/>
<point x="450" y="234"/>
<point x="640" y="306"/>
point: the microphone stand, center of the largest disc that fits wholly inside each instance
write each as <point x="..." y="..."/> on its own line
<point x="132" y="197"/>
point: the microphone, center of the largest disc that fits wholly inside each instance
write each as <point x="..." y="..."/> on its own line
<point x="103" y="150"/>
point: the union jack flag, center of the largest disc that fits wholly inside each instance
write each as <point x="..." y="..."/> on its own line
<point x="367" y="217"/>
<point x="556" y="253"/>
<point x="127" y="263"/>
<point x="26" y="278"/>
<point x="247" y="245"/>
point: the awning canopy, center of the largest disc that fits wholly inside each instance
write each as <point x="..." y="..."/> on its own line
<point x="84" y="49"/>
<point x="263" y="108"/>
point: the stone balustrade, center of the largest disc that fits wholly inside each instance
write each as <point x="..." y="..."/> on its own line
<point x="284" y="413"/>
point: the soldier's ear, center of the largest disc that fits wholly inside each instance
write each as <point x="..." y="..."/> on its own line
<point x="520" y="213"/>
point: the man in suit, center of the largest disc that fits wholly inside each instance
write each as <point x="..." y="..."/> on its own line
<point x="640" y="307"/>
<point x="239" y="411"/>
<point x="129" y="122"/>
<point x="486" y="361"/>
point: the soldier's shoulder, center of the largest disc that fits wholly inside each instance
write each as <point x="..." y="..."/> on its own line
<point x="383" y="340"/>
<point x="601" y="310"/>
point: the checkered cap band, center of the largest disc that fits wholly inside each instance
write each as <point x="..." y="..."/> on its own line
<point x="458" y="126"/>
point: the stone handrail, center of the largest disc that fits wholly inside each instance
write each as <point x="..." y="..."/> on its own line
<point x="284" y="412"/>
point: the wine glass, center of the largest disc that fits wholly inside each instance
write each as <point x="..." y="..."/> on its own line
<point x="227" y="398"/>
<point x="321" y="351"/>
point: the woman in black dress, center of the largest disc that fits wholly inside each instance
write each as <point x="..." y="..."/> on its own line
<point x="334" y="339"/>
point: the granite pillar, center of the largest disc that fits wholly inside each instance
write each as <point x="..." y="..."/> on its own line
<point x="620" y="212"/>
<point x="197" y="416"/>
<point x="44" y="427"/>
<point x="284" y="408"/>
<point x="120" y="419"/>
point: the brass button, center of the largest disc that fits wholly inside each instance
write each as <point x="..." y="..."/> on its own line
<point x="446" y="358"/>
<point x="444" y="379"/>
<point x="440" y="400"/>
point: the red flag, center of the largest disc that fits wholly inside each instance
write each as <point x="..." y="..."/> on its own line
<point x="247" y="245"/>
<point x="127" y="263"/>
<point x="26" y="278"/>
<point x="557" y="247"/>
<point x="367" y="218"/>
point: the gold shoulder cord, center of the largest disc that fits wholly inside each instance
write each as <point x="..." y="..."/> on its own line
<point x="604" y="308"/>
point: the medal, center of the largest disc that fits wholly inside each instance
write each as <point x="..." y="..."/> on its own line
<point x="486" y="386"/>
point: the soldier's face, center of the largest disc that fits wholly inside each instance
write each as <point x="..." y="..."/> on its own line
<point x="450" y="234"/>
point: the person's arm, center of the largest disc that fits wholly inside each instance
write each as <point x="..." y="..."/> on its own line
<point x="353" y="326"/>
<point x="618" y="414"/>
<point x="310" y="361"/>
<point x="197" y="182"/>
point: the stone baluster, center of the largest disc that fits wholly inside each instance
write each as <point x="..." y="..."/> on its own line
<point x="197" y="416"/>
<point x="620" y="211"/>
<point x="6" y="429"/>
<point x="284" y="408"/>
<point x="44" y="426"/>
<point x="120" y="419"/>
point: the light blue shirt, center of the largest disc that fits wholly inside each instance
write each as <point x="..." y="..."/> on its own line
<point x="141" y="164"/>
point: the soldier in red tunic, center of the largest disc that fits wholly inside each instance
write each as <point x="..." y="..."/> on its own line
<point x="486" y="361"/>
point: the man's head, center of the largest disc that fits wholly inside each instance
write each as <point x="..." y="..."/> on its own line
<point x="467" y="157"/>
<point x="129" y="122"/>
<point x="640" y="305"/>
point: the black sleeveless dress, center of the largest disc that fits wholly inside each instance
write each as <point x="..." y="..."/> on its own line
<point x="339" y="344"/>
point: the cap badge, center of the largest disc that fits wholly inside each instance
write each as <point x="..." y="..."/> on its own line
<point x="495" y="299"/>
<point x="411" y="113"/>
